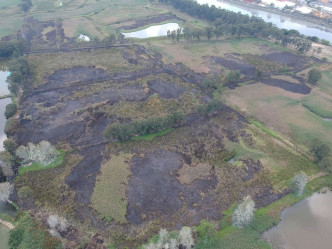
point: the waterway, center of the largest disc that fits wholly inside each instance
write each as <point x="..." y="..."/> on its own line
<point x="153" y="31"/>
<point x="281" y="21"/>
<point x="306" y="225"/>
<point x="4" y="207"/>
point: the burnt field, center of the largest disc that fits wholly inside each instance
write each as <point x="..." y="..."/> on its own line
<point x="174" y="180"/>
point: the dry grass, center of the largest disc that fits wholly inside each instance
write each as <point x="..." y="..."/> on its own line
<point x="109" y="196"/>
<point x="77" y="26"/>
<point x="189" y="173"/>
<point x="193" y="54"/>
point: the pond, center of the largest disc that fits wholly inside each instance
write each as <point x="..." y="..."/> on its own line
<point x="306" y="225"/>
<point x="4" y="236"/>
<point x="283" y="22"/>
<point x="153" y="31"/>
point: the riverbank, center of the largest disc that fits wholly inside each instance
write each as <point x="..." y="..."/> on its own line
<point x="7" y="224"/>
<point x="300" y="17"/>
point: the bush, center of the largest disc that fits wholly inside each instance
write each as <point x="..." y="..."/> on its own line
<point x="299" y="182"/>
<point x="210" y="108"/>
<point x="10" y="110"/>
<point x="232" y="77"/>
<point x="244" y="213"/>
<point x="11" y="126"/>
<point x="320" y="150"/>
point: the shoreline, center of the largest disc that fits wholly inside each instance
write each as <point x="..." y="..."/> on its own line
<point x="300" y="17"/>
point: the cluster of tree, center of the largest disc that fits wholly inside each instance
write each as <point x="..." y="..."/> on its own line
<point x="216" y="82"/>
<point x="19" y="70"/>
<point x="225" y="23"/>
<point x="8" y="158"/>
<point x="25" y="5"/>
<point x="183" y="239"/>
<point x="322" y="155"/>
<point x="244" y="213"/>
<point x="12" y="48"/>
<point x="122" y="132"/>
<point x="43" y="152"/>
<point x="210" y="108"/>
<point x="314" y="76"/>
<point x="298" y="183"/>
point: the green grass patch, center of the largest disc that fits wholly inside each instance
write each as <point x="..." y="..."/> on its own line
<point x="265" y="129"/>
<point x="149" y="137"/>
<point x="37" y="166"/>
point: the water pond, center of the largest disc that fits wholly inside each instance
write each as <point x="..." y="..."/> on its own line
<point x="153" y="31"/>
<point x="306" y="225"/>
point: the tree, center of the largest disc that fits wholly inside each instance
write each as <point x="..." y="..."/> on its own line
<point x="43" y="152"/>
<point x="25" y="5"/>
<point x="244" y="213"/>
<point x="10" y="145"/>
<point x="326" y="164"/>
<point x="10" y="110"/>
<point x="299" y="182"/>
<point x="314" y="76"/>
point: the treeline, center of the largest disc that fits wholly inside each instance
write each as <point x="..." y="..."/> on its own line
<point x="19" y="70"/>
<point x="12" y="48"/>
<point x="226" y="23"/>
<point x="122" y="132"/>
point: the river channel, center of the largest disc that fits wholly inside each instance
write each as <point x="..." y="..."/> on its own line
<point x="283" y="22"/>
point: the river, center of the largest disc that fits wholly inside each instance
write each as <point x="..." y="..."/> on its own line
<point x="4" y="232"/>
<point x="306" y="225"/>
<point x="283" y="22"/>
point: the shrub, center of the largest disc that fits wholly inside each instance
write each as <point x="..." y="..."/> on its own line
<point x="10" y="110"/>
<point x="244" y="213"/>
<point x="320" y="150"/>
<point x="299" y="182"/>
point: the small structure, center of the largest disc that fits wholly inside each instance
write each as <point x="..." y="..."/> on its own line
<point x="84" y="38"/>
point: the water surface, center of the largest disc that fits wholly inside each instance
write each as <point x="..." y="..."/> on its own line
<point x="4" y="236"/>
<point x="153" y="31"/>
<point x="306" y="225"/>
<point x="3" y="84"/>
<point x="283" y="22"/>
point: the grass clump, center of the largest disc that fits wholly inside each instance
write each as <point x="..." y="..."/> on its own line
<point x="149" y="137"/>
<point x="109" y="196"/>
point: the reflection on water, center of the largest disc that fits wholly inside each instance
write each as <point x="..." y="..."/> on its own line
<point x="3" y="103"/>
<point x="3" y="84"/>
<point x="153" y="31"/>
<point x="4" y="236"/>
<point x="280" y="21"/>
<point x="306" y="225"/>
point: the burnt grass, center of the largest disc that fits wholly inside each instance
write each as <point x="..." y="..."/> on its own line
<point x="68" y="109"/>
